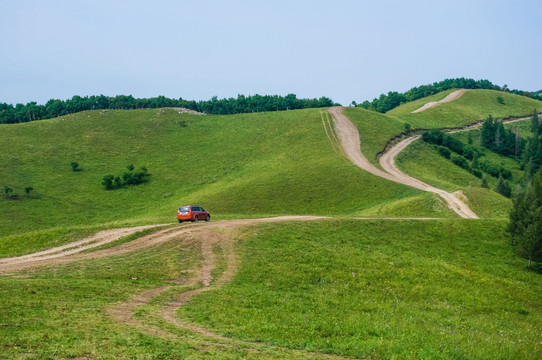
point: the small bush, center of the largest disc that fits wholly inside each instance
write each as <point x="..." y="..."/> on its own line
<point x="470" y="152"/>
<point x="453" y="144"/>
<point x="444" y="151"/>
<point x="7" y="190"/>
<point x="74" y="165"/>
<point x="128" y="178"/>
<point x="477" y="173"/>
<point x="493" y="169"/>
<point x="433" y="137"/>
<point x="461" y="162"/>
<point x="107" y="181"/>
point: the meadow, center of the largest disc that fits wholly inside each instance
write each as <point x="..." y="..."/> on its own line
<point x="366" y="282"/>
<point x="236" y="166"/>
<point x="379" y="289"/>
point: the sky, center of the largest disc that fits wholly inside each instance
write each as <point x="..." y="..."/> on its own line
<point x="343" y="49"/>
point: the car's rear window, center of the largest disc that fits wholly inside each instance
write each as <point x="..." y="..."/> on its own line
<point x="184" y="209"/>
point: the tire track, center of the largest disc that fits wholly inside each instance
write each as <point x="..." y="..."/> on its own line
<point x="209" y="235"/>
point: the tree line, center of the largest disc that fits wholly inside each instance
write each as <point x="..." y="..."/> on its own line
<point x="387" y="102"/>
<point x="32" y="111"/>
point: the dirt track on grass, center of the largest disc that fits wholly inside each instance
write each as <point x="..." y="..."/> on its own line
<point x="76" y="251"/>
<point x="349" y="136"/>
<point x="452" y="96"/>
<point x="217" y="241"/>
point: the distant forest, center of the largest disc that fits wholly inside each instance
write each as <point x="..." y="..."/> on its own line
<point x="393" y="99"/>
<point x="19" y="113"/>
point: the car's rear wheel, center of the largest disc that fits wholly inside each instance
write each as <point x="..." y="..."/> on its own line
<point x="208" y="218"/>
<point x="180" y="221"/>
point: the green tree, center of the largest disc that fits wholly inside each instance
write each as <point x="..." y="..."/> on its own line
<point x="535" y="123"/>
<point x="74" y="165"/>
<point x="503" y="187"/>
<point x="28" y="189"/>
<point x="525" y="224"/>
<point x="488" y="133"/>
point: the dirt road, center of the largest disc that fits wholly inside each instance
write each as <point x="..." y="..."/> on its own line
<point x="75" y="251"/>
<point x="452" y="96"/>
<point x="216" y="240"/>
<point x="349" y="136"/>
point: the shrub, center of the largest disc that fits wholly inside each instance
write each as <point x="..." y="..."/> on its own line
<point x="433" y="137"/>
<point x="461" y="162"/>
<point x="470" y="152"/>
<point x="444" y="151"/>
<point x="476" y="172"/>
<point x="7" y="190"/>
<point x="128" y="178"/>
<point x="28" y="189"/>
<point x="453" y="144"/>
<point x="493" y="169"/>
<point x="74" y="165"/>
<point x="107" y="181"/>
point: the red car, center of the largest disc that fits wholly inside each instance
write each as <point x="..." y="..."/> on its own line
<point x="192" y="213"/>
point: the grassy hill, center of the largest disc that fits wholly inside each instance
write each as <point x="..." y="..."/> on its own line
<point x="245" y="165"/>
<point x="473" y="106"/>
<point x="364" y="288"/>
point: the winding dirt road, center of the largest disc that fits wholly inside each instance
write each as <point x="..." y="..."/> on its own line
<point x="216" y="240"/>
<point x="349" y="136"/>
<point x="452" y="96"/>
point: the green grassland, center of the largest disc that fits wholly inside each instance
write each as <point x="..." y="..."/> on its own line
<point x="473" y="106"/>
<point x="247" y="165"/>
<point x="445" y="288"/>
<point x="422" y="161"/>
<point x="377" y="129"/>
<point x="381" y="289"/>
<point x="378" y="289"/>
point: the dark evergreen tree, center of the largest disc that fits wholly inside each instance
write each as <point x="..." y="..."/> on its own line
<point x="488" y="133"/>
<point x="535" y="123"/>
<point x="503" y="187"/>
<point x="525" y="224"/>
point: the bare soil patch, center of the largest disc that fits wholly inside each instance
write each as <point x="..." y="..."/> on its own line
<point x="451" y="97"/>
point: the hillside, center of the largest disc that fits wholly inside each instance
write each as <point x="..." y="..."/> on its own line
<point x="377" y="270"/>
<point x="472" y="106"/>
<point x="236" y="166"/>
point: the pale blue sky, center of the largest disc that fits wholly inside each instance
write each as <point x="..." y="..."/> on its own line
<point x="346" y="50"/>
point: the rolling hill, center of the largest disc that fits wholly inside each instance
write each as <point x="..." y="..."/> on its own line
<point x="359" y="281"/>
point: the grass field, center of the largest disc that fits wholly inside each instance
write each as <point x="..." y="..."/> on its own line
<point x="235" y="166"/>
<point x="473" y="106"/>
<point x="372" y="288"/>
<point x="380" y="290"/>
